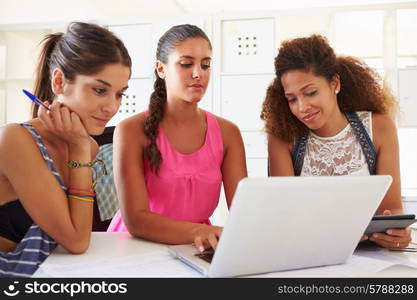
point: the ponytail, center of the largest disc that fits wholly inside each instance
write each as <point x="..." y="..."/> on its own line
<point x="42" y="87"/>
<point x="156" y="111"/>
<point x="84" y="49"/>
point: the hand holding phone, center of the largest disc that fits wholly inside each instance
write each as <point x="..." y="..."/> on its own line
<point x="382" y="223"/>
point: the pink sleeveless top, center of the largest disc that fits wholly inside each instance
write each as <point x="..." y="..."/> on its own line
<point x="187" y="187"/>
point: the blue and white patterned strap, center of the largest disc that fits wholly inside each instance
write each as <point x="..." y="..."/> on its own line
<point x="365" y="141"/>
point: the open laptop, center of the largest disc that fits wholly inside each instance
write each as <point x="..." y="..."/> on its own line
<point x="284" y="223"/>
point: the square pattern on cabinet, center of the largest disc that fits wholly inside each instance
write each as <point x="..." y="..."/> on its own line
<point x="248" y="46"/>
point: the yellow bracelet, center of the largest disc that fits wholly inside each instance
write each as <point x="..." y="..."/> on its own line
<point x="86" y="199"/>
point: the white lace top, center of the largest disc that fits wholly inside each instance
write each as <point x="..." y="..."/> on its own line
<point x="337" y="155"/>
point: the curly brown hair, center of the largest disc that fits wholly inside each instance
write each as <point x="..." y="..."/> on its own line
<point x="158" y="99"/>
<point x="362" y="88"/>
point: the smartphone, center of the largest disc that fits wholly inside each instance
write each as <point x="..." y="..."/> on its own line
<point x="384" y="222"/>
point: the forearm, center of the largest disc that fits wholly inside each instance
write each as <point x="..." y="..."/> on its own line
<point x="161" y="229"/>
<point x="81" y="211"/>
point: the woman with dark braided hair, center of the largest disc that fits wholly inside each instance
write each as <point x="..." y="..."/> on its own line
<point x="46" y="192"/>
<point x="170" y="161"/>
<point x="329" y="115"/>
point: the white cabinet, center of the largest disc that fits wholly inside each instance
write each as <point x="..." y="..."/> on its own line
<point x="248" y="46"/>
<point x="255" y="144"/>
<point x="242" y="97"/>
<point x="2" y="104"/>
<point x="407" y="84"/>
<point x="138" y="41"/>
<point x="257" y="167"/>
<point x="247" y="69"/>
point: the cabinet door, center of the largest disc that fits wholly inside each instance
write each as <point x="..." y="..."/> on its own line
<point x="241" y="99"/>
<point x="137" y="39"/>
<point x="255" y="144"/>
<point x="248" y="46"/>
<point x="407" y="79"/>
<point x="257" y="167"/>
<point x="136" y="100"/>
<point x="3" y="60"/>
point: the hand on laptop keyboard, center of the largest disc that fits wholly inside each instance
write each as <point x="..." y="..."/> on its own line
<point x="206" y="255"/>
<point x="206" y="236"/>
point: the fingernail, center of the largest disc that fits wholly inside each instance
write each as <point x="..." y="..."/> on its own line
<point x="201" y="248"/>
<point x="389" y="231"/>
<point x="376" y="235"/>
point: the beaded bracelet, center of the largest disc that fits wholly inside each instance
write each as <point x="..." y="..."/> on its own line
<point x="73" y="164"/>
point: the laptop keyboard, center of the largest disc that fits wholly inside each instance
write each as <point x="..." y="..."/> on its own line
<point x="206" y="255"/>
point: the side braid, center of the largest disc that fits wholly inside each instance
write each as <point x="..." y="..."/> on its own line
<point x="156" y="113"/>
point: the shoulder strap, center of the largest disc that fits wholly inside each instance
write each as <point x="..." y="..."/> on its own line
<point x="362" y="135"/>
<point x="45" y="154"/>
<point x="298" y="153"/>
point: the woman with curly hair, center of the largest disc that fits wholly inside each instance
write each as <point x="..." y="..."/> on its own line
<point x="170" y="161"/>
<point x="328" y="115"/>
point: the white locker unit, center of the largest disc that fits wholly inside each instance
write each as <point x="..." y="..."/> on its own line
<point x="3" y="52"/>
<point x="255" y="144"/>
<point x="247" y="69"/>
<point x="2" y="104"/>
<point x="248" y="46"/>
<point x="257" y="167"/>
<point x="407" y="138"/>
<point x="137" y="39"/>
<point x="242" y="97"/>
<point x="407" y="89"/>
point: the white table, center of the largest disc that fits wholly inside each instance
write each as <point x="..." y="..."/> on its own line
<point x="120" y="255"/>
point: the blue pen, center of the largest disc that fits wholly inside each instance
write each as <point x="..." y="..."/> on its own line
<point x="34" y="99"/>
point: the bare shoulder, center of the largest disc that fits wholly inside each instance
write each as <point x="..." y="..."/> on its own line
<point x="230" y="132"/>
<point x="384" y="130"/>
<point x="15" y="143"/>
<point x="227" y="127"/>
<point x="276" y="142"/>
<point x="132" y="128"/>
<point x="13" y="135"/>
<point x="382" y="124"/>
